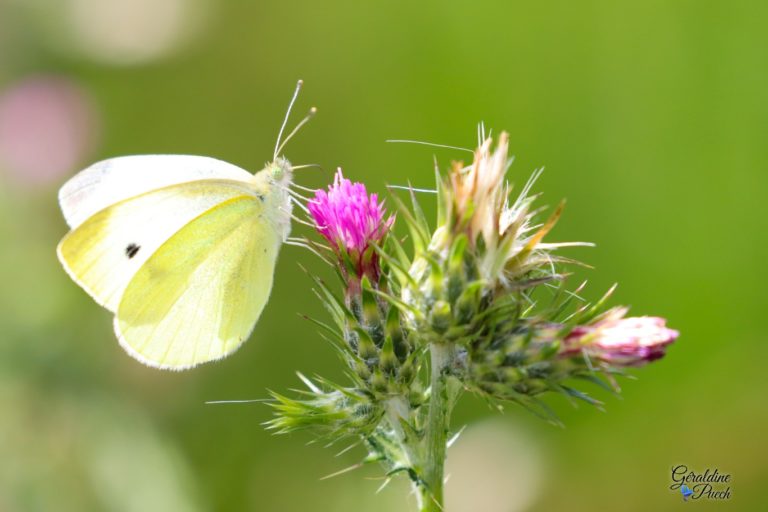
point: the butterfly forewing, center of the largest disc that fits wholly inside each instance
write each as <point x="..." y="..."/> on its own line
<point x="117" y="179"/>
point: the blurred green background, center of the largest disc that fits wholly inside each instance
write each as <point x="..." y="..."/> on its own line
<point x="651" y="118"/>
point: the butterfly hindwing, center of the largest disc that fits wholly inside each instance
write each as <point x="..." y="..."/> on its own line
<point x="199" y="295"/>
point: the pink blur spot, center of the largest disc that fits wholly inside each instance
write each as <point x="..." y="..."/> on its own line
<point x="47" y="128"/>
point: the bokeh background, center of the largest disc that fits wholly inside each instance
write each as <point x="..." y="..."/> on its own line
<point x="650" y="117"/>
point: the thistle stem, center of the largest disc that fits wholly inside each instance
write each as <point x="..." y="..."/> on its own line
<point x="436" y="435"/>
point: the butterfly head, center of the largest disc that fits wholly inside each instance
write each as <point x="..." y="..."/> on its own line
<point x="280" y="172"/>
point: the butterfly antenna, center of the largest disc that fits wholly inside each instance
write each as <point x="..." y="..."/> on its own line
<point x="429" y="144"/>
<point x="304" y="121"/>
<point x="308" y="166"/>
<point x="287" y="115"/>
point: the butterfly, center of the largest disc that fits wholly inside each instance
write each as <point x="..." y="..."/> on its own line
<point x="686" y="492"/>
<point x="182" y="249"/>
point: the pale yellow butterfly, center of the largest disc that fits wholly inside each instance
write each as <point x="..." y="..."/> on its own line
<point x="182" y="249"/>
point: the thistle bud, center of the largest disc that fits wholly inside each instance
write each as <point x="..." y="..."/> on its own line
<point x="339" y="411"/>
<point x="620" y="341"/>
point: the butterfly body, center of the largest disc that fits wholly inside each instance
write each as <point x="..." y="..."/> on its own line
<point x="181" y="249"/>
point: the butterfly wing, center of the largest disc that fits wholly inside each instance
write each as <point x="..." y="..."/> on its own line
<point x="105" y="251"/>
<point x="114" y="180"/>
<point x="198" y="297"/>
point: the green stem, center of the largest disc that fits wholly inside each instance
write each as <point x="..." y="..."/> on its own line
<point x="431" y="499"/>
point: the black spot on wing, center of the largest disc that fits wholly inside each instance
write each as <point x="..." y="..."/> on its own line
<point x="131" y="250"/>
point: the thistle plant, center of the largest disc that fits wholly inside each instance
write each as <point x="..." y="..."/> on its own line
<point x="476" y="302"/>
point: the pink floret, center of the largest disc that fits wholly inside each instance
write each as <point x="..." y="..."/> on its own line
<point x="351" y="220"/>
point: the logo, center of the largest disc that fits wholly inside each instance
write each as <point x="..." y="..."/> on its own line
<point x="711" y="484"/>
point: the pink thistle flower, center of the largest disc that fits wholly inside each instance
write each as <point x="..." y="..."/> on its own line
<point x="351" y="220"/>
<point x="620" y="341"/>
